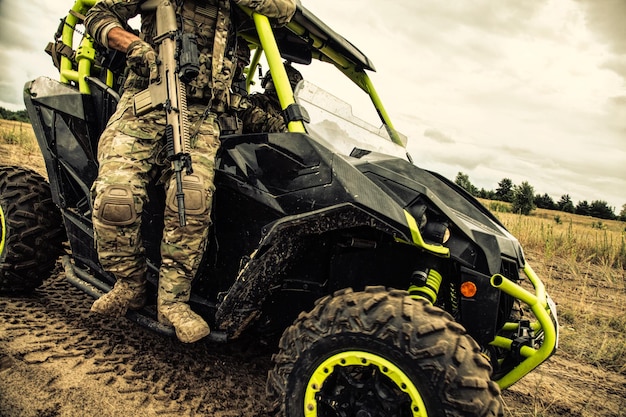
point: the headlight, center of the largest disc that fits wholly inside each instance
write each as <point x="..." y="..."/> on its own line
<point x="436" y="232"/>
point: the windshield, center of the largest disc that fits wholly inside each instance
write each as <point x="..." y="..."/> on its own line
<point x="333" y="123"/>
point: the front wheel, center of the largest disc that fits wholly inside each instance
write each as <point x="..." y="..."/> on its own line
<point x="380" y="353"/>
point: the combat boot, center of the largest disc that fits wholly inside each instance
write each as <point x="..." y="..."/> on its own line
<point x="122" y="297"/>
<point x="189" y="326"/>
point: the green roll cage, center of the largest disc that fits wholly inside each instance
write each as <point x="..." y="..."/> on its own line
<point x="266" y="42"/>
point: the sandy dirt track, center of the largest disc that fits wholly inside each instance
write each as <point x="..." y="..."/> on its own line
<point x="58" y="360"/>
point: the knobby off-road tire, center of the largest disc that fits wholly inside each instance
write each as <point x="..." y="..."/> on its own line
<point x="380" y="353"/>
<point x="31" y="232"/>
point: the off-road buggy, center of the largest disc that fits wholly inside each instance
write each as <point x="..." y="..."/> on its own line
<point x="395" y="291"/>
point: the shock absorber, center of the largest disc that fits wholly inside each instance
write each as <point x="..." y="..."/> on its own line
<point x="426" y="285"/>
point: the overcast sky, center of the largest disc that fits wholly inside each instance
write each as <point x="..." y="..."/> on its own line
<point x="529" y="90"/>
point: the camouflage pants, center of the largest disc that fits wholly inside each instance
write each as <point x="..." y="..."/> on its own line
<point x="129" y="152"/>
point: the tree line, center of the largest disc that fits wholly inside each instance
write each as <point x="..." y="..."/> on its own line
<point x="20" y="115"/>
<point x="523" y="199"/>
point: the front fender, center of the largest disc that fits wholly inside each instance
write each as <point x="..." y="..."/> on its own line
<point x="277" y="249"/>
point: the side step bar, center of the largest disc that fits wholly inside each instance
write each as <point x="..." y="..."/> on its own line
<point x="96" y="289"/>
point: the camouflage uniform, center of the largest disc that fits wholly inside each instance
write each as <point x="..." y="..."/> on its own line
<point x="262" y="112"/>
<point x="132" y="152"/>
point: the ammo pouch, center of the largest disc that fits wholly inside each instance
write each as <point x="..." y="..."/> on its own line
<point x="229" y="124"/>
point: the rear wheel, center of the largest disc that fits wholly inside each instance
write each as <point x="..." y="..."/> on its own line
<point x="31" y="232"/>
<point x="380" y="353"/>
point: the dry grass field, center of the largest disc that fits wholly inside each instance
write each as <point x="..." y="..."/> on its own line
<point x="583" y="266"/>
<point x="580" y="259"/>
<point x="18" y="146"/>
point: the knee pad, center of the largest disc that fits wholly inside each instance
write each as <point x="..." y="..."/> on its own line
<point x="117" y="206"/>
<point x="195" y="197"/>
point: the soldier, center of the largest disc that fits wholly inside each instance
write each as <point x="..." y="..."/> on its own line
<point x="261" y="112"/>
<point x="131" y="152"/>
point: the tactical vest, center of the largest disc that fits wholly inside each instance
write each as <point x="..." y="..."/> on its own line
<point x="211" y="22"/>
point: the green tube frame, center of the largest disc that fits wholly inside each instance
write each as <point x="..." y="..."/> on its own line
<point x="538" y="303"/>
<point x="254" y="63"/>
<point x="279" y="74"/>
<point x="85" y="54"/>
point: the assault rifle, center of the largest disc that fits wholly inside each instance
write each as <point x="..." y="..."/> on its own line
<point x="178" y="64"/>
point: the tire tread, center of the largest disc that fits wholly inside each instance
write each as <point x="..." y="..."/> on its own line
<point x="34" y="230"/>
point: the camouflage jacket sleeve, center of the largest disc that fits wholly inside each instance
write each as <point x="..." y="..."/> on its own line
<point x="107" y="14"/>
<point x="281" y="10"/>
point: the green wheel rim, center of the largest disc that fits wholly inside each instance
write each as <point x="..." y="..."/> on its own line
<point x="3" y="230"/>
<point x="358" y="358"/>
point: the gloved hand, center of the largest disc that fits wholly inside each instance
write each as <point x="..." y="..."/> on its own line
<point x="142" y="60"/>
<point x="281" y="10"/>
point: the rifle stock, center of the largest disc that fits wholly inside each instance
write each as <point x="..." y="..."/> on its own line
<point x="168" y="92"/>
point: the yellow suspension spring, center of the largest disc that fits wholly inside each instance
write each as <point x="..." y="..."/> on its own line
<point x="428" y="289"/>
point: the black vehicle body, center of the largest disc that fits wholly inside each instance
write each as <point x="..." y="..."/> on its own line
<point x="295" y="221"/>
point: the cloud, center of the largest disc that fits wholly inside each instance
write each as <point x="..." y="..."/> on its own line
<point x="25" y="30"/>
<point x="529" y="90"/>
<point x="606" y="19"/>
<point x="617" y="64"/>
<point x="438" y="136"/>
<point x="616" y="109"/>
